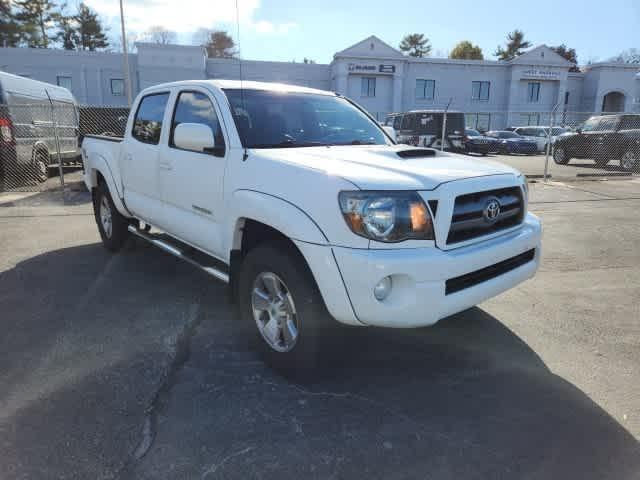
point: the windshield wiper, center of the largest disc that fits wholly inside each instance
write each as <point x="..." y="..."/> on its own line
<point x="288" y="144"/>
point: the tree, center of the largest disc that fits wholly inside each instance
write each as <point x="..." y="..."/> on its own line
<point x="515" y="44"/>
<point x="416" y="44"/>
<point x="308" y="60"/>
<point x="67" y="33"/>
<point x="568" y="54"/>
<point x="631" y="55"/>
<point x="91" y="34"/>
<point x="465" y="50"/>
<point x="36" y="17"/>
<point x="161" y="35"/>
<point x="9" y="27"/>
<point x="218" y="43"/>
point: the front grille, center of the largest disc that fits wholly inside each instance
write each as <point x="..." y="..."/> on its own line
<point x="474" y="278"/>
<point x="469" y="221"/>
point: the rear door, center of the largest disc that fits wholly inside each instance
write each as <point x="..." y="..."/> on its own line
<point x="192" y="182"/>
<point x="598" y="141"/>
<point x="140" y="155"/>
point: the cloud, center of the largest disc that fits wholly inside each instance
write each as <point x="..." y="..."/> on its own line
<point x="186" y="16"/>
<point x="265" y="26"/>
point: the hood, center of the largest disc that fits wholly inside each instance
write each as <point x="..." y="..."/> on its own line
<point x="379" y="167"/>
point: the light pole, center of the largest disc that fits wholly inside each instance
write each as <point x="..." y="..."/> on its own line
<point x="127" y="77"/>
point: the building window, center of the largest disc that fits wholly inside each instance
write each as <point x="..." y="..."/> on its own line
<point x="425" y="89"/>
<point x="480" y="90"/>
<point x="478" y="121"/>
<point x="63" y="81"/>
<point x="566" y="98"/>
<point x="368" y="87"/>
<point x="117" y="87"/>
<point x="533" y="91"/>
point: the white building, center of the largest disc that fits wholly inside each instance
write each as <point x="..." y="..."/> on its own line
<point x="494" y="94"/>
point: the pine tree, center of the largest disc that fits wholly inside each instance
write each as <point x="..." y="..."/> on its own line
<point x="515" y="44"/>
<point x="36" y="17"/>
<point x="67" y="33"/>
<point x="91" y="34"/>
<point x="9" y="28"/>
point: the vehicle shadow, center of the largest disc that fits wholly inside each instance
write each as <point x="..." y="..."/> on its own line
<point x="466" y="398"/>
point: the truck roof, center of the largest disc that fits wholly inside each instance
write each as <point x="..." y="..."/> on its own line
<point x="245" y="84"/>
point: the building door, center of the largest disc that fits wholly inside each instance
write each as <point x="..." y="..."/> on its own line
<point x="613" y="102"/>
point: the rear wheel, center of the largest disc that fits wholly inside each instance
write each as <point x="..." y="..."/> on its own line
<point x="629" y="160"/>
<point x="560" y="156"/>
<point x="113" y="227"/>
<point x="281" y="310"/>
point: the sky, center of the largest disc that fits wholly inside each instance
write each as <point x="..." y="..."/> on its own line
<point x="291" y="30"/>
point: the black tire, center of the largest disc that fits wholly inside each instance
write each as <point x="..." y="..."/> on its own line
<point x="40" y="167"/>
<point x="629" y="160"/>
<point x="560" y="156"/>
<point x="114" y="238"/>
<point x="314" y="326"/>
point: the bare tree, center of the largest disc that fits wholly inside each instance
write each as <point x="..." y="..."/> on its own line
<point x="161" y="35"/>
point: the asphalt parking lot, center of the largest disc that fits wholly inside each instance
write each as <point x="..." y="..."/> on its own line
<point x="533" y="166"/>
<point x="126" y="366"/>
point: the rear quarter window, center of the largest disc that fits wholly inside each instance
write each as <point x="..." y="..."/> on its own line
<point x="147" y="124"/>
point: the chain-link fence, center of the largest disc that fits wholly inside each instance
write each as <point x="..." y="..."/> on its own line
<point x="40" y="142"/>
<point x="540" y="144"/>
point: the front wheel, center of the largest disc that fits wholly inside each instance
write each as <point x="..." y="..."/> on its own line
<point x="629" y="160"/>
<point x="113" y="227"/>
<point x="560" y="156"/>
<point x="41" y="166"/>
<point x="281" y="309"/>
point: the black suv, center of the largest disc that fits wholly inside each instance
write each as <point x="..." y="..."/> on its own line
<point x="603" y="138"/>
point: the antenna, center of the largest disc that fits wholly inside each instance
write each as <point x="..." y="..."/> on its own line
<point x="245" y="155"/>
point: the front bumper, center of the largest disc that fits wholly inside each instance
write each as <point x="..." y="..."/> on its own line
<point x="419" y="276"/>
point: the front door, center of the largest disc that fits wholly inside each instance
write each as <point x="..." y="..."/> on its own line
<point x="192" y="182"/>
<point x="139" y="162"/>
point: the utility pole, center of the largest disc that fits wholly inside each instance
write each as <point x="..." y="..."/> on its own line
<point x="127" y="77"/>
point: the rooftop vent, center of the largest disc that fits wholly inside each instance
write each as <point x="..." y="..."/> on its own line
<point x="417" y="153"/>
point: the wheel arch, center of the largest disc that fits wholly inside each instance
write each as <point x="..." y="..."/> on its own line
<point x="99" y="170"/>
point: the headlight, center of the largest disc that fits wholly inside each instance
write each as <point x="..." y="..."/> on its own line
<point x="525" y="186"/>
<point x="387" y="216"/>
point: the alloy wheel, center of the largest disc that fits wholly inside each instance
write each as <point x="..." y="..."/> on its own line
<point x="106" y="218"/>
<point x="274" y="312"/>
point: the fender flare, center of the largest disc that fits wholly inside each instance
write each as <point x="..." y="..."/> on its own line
<point x="98" y="164"/>
<point x="278" y="213"/>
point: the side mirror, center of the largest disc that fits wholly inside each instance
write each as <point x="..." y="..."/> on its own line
<point x="390" y="131"/>
<point x="194" y="136"/>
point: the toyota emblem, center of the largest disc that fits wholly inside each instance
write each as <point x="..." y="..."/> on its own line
<point x="491" y="210"/>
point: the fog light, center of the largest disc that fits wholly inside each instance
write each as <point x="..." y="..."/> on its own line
<point x="382" y="289"/>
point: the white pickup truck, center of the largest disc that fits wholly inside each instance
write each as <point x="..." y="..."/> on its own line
<point x="300" y="201"/>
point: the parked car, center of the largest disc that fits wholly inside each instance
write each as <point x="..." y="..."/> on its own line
<point x="475" y="142"/>
<point x="511" y="142"/>
<point x="28" y="110"/>
<point x="424" y="128"/>
<point x="297" y="198"/>
<point x="603" y="138"/>
<point x="540" y="135"/>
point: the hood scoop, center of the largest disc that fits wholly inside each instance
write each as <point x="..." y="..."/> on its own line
<point x="416" y="153"/>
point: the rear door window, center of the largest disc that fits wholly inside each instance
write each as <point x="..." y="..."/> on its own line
<point x="630" y="122"/>
<point x="147" y="124"/>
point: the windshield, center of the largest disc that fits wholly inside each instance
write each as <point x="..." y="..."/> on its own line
<point x="271" y="119"/>
<point x="471" y="133"/>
